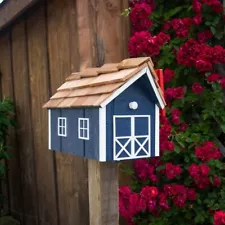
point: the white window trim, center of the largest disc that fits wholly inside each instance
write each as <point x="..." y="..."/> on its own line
<point x="65" y="127"/>
<point x="82" y="128"/>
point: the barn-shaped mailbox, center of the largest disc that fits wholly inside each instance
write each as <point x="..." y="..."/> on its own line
<point x="108" y="113"/>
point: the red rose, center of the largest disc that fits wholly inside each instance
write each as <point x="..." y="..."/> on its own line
<point x="216" y="181"/>
<point x="219" y="218"/>
<point x="207" y="151"/>
<point x="139" y="16"/>
<point x="191" y="194"/>
<point x="197" y="6"/>
<point x="197" y="20"/>
<point x="176" y="116"/>
<point x="217" y="7"/>
<point x="222" y="82"/>
<point x="179" y="201"/>
<point x="204" y="169"/>
<point x="204" y="36"/>
<point x="213" y="77"/>
<point x="203" y="66"/>
<point x="141" y="169"/>
<point x="152" y="205"/>
<point x="172" y="170"/>
<point x="149" y="192"/>
<point x="183" y="127"/>
<point x="197" y="88"/>
<point x="168" y="75"/>
<point x="178" y="93"/>
<point x="166" y="26"/>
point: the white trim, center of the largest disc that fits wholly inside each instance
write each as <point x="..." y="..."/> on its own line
<point x="83" y="128"/>
<point x="49" y="130"/>
<point x="63" y="134"/>
<point x="132" y="139"/>
<point x="157" y="129"/>
<point x="124" y="87"/>
<point x="162" y="105"/>
<point x="102" y="134"/>
<point x="130" y="82"/>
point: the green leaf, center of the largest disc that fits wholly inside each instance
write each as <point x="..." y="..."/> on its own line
<point x="213" y="29"/>
<point x="188" y="140"/>
<point x="159" y="168"/>
<point x="174" y="11"/>
<point x="126" y="12"/>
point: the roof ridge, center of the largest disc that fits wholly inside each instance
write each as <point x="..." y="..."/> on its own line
<point x="109" y="68"/>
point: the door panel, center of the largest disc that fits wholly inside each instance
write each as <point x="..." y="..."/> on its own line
<point x="131" y="137"/>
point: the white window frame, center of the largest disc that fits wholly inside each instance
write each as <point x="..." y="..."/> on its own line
<point x="82" y="129"/>
<point x="62" y="123"/>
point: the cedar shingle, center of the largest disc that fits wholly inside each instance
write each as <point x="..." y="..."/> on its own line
<point x="92" y="86"/>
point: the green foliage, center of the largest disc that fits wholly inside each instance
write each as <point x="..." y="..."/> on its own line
<point x="6" y="121"/>
<point x="204" y="113"/>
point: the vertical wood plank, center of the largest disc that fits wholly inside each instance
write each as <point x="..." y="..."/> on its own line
<point x="86" y="35"/>
<point x="63" y="59"/>
<point x="23" y="115"/>
<point x="103" y="193"/>
<point x="14" y="183"/>
<point x="109" y="31"/>
<point x="39" y="90"/>
<point x="125" y="31"/>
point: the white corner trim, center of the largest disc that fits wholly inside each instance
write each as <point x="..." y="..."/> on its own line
<point x="157" y="129"/>
<point x="124" y="87"/>
<point x="162" y="105"/>
<point x="102" y="134"/>
<point x="49" y="130"/>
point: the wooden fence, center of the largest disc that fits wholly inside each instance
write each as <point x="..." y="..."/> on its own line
<point x="37" y="52"/>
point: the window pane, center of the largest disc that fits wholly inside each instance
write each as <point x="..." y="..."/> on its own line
<point x="60" y="130"/>
<point x="85" y="133"/>
<point x="81" y="133"/>
<point x="81" y="123"/>
<point x="85" y="123"/>
<point x="63" y="122"/>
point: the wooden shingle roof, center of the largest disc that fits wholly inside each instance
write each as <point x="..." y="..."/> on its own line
<point x="92" y="86"/>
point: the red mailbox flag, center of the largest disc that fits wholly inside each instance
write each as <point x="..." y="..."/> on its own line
<point x="159" y="73"/>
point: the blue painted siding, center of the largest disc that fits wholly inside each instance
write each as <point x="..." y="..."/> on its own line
<point x="55" y="139"/>
<point x="142" y="93"/>
<point x="92" y="145"/>
<point x="71" y="143"/>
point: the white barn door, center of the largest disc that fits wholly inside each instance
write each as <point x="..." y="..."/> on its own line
<point x="131" y="137"/>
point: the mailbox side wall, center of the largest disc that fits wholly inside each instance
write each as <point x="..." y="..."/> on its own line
<point x="71" y="143"/>
<point x="142" y="93"/>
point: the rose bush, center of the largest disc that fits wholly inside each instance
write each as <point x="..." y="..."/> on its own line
<point x="186" y="184"/>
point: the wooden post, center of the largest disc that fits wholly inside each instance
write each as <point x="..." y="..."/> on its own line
<point x="103" y="193"/>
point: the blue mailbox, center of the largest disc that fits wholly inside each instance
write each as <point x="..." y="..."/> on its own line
<point x="109" y="113"/>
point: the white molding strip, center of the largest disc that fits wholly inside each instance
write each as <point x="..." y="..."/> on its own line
<point x="49" y="130"/>
<point x="157" y="130"/>
<point x="162" y="105"/>
<point x="102" y="134"/>
<point x="124" y="87"/>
